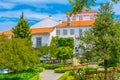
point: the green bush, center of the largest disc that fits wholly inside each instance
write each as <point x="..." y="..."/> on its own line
<point x="65" y="76"/>
<point x="38" y="69"/>
<point x="36" y="77"/>
<point x="70" y="78"/>
<point x="51" y="66"/>
<point x="23" y="75"/>
<point x="62" y="70"/>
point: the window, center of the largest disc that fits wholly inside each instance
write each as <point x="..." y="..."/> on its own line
<point x="64" y="32"/>
<point x="80" y="31"/>
<point x="92" y="17"/>
<point x="58" y="32"/>
<point x="71" y="31"/>
<point x="38" y="42"/>
<point x="86" y="15"/>
<point x="73" y="17"/>
<point x="80" y="18"/>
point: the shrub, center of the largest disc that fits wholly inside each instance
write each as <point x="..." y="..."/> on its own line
<point x="65" y="76"/>
<point x="38" y="69"/>
<point x="36" y="77"/>
<point x="51" y="66"/>
<point x="62" y="70"/>
<point x="70" y="78"/>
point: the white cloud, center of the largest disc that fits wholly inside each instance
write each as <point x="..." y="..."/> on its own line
<point x="6" y="5"/>
<point x="30" y="15"/>
<point x="40" y="1"/>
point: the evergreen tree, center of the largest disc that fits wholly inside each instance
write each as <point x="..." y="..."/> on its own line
<point x="22" y="29"/>
<point x="104" y="37"/>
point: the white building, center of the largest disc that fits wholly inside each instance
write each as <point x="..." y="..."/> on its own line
<point x="75" y="25"/>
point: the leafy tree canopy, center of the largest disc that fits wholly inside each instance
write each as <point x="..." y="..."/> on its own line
<point x="16" y="54"/>
<point x="104" y="38"/>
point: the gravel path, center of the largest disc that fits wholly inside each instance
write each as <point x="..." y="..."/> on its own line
<point x="49" y="75"/>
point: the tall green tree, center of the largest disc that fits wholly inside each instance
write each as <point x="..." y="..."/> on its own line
<point x="22" y="29"/>
<point x="104" y="37"/>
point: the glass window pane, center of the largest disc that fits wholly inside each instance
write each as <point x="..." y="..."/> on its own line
<point x="38" y="42"/>
<point x="71" y="31"/>
<point x="80" y="31"/>
<point x="58" y="32"/>
<point x="64" y="32"/>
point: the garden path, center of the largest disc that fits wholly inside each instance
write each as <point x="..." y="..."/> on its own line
<point x="49" y="75"/>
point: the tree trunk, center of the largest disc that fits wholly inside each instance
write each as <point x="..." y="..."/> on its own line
<point x="105" y="67"/>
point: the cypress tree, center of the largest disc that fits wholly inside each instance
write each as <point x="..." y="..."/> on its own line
<point x="22" y="29"/>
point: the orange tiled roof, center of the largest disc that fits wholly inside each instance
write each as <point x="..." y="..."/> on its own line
<point x="41" y="30"/>
<point x="77" y="23"/>
<point x="33" y="31"/>
<point x="88" y="11"/>
<point x="9" y="32"/>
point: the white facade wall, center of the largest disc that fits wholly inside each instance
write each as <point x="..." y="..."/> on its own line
<point x="44" y="39"/>
<point x="83" y="16"/>
<point x="53" y="33"/>
<point x="76" y="31"/>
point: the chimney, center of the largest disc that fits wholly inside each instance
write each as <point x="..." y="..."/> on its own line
<point x="50" y="16"/>
<point x="68" y="20"/>
<point x="59" y="21"/>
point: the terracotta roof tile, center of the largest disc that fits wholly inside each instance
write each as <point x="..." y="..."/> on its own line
<point x="77" y="23"/>
<point x="33" y="31"/>
<point x="41" y="30"/>
<point x="84" y="11"/>
<point x="88" y="11"/>
<point x="8" y="32"/>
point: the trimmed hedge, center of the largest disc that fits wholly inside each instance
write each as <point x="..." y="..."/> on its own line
<point x="66" y="76"/>
<point x="38" y="69"/>
<point x="62" y="70"/>
<point x="51" y="66"/>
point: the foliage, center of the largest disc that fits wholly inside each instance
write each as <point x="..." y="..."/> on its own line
<point x="16" y="54"/>
<point x="79" y="5"/>
<point x="38" y="69"/>
<point x="62" y="47"/>
<point x="64" y="53"/>
<point x="53" y="66"/>
<point x="62" y="69"/>
<point x="23" y="75"/>
<point x="62" y="42"/>
<point x="104" y="37"/>
<point x="22" y="29"/>
<point x="66" y="76"/>
<point x="44" y="51"/>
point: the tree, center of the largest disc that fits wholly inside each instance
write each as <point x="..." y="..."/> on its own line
<point x="104" y="37"/>
<point x="22" y="29"/>
<point x="79" y="5"/>
<point x="44" y="51"/>
<point x="57" y="44"/>
<point x="16" y="54"/>
<point x="64" y="53"/>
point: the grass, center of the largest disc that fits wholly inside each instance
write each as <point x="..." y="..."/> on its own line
<point x="23" y="75"/>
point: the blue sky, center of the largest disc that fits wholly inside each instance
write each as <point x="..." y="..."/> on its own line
<point x="35" y="10"/>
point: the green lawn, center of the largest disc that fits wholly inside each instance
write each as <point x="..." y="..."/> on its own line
<point x="24" y="75"/>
